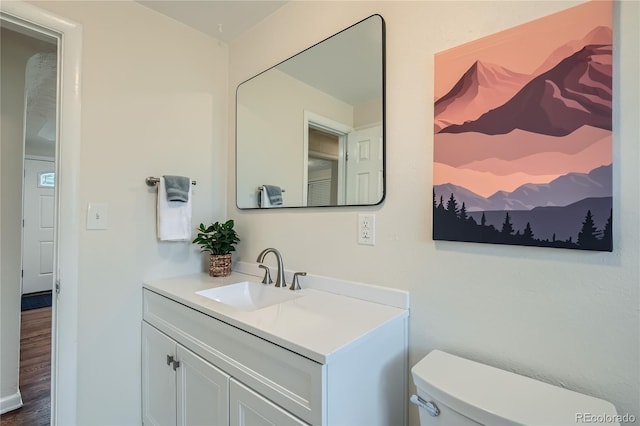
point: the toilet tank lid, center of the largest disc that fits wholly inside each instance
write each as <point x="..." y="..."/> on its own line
<point x="492" y="396"/>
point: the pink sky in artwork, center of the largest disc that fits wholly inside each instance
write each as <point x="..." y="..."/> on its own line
<point x="541" y="37"/>
<point x="475" y="148"/>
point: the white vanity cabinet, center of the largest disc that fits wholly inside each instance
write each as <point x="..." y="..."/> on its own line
<point x="179" y="387"/>
<point x="169" y="327"/>
<point x="248" y="408"/>
<point x="321" y="359"/>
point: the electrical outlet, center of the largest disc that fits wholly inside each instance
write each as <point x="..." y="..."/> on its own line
<point x="367" y="229"/>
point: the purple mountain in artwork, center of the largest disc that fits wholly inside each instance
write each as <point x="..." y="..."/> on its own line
<point x="482" y="87"/>
<point x="562" y="191"/>
<point x="574" y="93"/>
<point x="600" y="36"/>
<point x="471" y="200"/>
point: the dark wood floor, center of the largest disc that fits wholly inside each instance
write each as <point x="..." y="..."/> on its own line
<point x="35" y="370"/>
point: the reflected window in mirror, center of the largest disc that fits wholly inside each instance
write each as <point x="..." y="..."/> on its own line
<point x="314" y="124"/>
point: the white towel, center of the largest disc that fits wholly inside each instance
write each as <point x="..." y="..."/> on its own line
<point x="264" y="198"/>
<point x="174" y="217"/>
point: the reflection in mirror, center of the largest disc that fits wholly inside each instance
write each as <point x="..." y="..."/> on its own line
<point x="322" y="168"/>
<point x="313" y="125"/>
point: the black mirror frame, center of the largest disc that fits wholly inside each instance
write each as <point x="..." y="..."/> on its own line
<point x="384" y="121"/>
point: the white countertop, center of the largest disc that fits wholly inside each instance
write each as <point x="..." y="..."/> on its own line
<point x="315" y="325"/>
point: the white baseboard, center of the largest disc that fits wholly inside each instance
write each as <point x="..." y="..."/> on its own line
<point x="11" y="402"/>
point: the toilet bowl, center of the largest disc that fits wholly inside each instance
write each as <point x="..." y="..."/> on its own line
<point x="457" y="391"/>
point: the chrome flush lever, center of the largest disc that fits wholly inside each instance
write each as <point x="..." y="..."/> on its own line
<point x="267" y="275"/>
<point x="429" y="406"/>
<point x="295" y="283"/>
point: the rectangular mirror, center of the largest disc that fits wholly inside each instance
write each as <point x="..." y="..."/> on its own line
<point x="310" y="130"/>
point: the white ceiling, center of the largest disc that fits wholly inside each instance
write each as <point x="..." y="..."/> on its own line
<point x="222" y="19"/>
<point x="40" y="87"/>
<point x="40" y="95"/>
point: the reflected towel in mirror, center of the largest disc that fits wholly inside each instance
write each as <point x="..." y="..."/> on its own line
<point x="270" y="196"/>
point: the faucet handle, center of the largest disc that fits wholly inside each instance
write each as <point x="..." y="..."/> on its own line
<point x="295" y="283"/>
<point x="267" y="275"/>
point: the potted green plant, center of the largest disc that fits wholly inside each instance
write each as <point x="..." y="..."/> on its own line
<point x="218" y="239"/>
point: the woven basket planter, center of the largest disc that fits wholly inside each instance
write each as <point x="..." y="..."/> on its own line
<point x="220" y="265"/>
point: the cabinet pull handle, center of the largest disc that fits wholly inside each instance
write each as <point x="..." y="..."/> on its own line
<point x="172" y="362"/>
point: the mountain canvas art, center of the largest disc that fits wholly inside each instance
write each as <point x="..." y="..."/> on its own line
<point x="522" y="134"/>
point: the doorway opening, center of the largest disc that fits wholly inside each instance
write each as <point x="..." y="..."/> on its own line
<point x="322" y="168"/>
<point x="29" y="122"/>
<point x="342" y="165"/>
<point x="22" y="16"/>
<point x="38" y="186"/>
<point x="325" y="157"/>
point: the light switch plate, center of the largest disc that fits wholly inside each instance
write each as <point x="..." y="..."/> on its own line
<point x="97" y="215"/>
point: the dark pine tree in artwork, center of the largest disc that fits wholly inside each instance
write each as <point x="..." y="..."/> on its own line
<point x="453" y="222"/>
<point x="607" y="234"/>
<point x="452" y="207"/>
<point x="588" y="236"/>
<point x="507" y="227"/>
<point x="441" y="206"/>
<point x="527" y="234"/>
<point x="463" y="213"/>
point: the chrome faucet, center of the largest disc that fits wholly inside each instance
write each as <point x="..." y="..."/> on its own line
<point x="280" y="282"/>
<point x="295" y="284"/>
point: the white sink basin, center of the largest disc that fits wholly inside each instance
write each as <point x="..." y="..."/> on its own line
<point x="248" y="296"/>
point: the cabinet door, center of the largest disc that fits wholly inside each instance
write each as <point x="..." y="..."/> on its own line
<point x="251" y="409"/>
<point x="203" y="391"/>
<point x="158" y="378"/>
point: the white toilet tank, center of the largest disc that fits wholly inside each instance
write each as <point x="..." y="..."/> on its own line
<point x="456" y="391"/>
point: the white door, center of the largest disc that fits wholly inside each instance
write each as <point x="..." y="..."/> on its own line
<point x="251" y="409"/>
<point x="38" y="226"/>
<point x="364" y="166"/>
<point x="158" y="378"/>
<point x="203" y="391"/>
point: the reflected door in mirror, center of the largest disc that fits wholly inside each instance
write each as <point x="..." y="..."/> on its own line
<point x="364" y="166"/>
